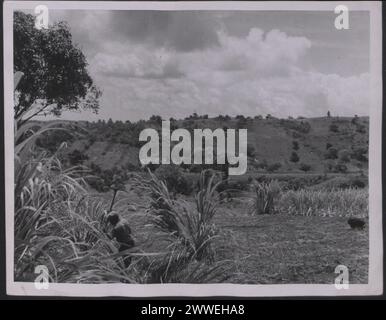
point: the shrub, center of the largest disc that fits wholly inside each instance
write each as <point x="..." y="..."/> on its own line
<point x="340" y="167"/>
<point x="359" y="154"/>
<point x="294" y="157"/>
<point x="174" y="179"/>
<point x="51" y="141"/>
<point x="273" y="167"/>
<point x="334" y="128"/>
<point x="358" y="183"/>
<point x="361" y="128"/>
<point x="261" y="164"/>
<point x="251" y="150"/>
<point x="331" y="153"/>
<point x="297" y="126"/>
<point x="344" y="155"/>
<point x="77" y="157"/>
<point x="329" y="165"/>
<point x="295" y="145"/>
<point x="304" y="167"/>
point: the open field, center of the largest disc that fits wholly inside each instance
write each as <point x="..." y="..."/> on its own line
<point x="293" y="249"/>
<point x="287" y="247"/>
<point x="186" y="225"/>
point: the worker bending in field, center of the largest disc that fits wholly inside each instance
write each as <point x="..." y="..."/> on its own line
<point x="122" y="233"/>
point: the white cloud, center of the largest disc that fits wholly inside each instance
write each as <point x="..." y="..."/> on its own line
<point x="259" y="74"/>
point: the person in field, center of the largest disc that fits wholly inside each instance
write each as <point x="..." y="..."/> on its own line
<point x="122" y="233"/>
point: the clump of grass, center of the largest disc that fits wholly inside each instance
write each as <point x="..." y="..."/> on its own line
<point x="191" y="226"/>
<point x="264" y="197"/>
<point x="344" y="203"/>
<point x="179" y="266"/>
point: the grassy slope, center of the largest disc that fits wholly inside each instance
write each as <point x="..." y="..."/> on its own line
<point x="271" y="139"/>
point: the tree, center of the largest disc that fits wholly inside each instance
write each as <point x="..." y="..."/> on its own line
<point x="55" y="77"/>
<point x="156" y="119"/>
<point x="328" y="114"/>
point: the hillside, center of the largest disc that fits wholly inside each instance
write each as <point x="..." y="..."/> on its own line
<point x="325" y="144"/>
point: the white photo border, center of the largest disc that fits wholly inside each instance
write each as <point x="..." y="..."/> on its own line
<point x="375" y="273"/>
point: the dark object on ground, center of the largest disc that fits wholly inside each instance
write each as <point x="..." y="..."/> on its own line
<point x="356" y="223"/>
<point x="122" y="233"/>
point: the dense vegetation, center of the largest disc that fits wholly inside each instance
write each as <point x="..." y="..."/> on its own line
<point x="274" y="145"/>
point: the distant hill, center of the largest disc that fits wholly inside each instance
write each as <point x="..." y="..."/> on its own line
<point x="325" y="144"/>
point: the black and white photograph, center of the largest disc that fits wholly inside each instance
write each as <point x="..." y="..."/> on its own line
<point x="193" y="148"/>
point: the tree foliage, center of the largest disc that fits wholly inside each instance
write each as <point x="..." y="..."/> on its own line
<point x="55" y="76"/>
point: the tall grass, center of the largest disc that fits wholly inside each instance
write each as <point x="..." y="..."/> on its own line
<point x="344" y="203"/>
<point x="264" y="197"/>
<point x="60" y="225"/>
<point x="180" y="266"/>
<point x="190" y="225"/>
<point x="57" y="223"/>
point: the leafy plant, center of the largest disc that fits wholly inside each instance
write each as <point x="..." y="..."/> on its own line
<point x="191" y="226"/>
<point x="174" y="178"/>
<point x="265" y="195"/>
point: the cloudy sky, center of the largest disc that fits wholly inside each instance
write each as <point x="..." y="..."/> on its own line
<point x="177" y="63"/>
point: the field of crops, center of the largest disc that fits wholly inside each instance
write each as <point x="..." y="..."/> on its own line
<point x="262" y="235"/>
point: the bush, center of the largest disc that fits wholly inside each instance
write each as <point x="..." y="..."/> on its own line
<point x="295" y="145"/>
<point x="344" y="155"/>
<point x="297" y="126"/>
<point x="51" y="141"/>
<point x="361" y="128"/>
<point x="174" y="179"/>
<point x="331" y="153"/>
<point x="273" y="167"/>
<point x="304" y="167"/>
<point x="334" y="128"/>
<point x="251" y="150"/>
<point x="294" y="157"/>
<point x="340" y="167"/>
<point x="358" y="183"/>
<point x="359" y="154"/>
<point x="77" y="157"/>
